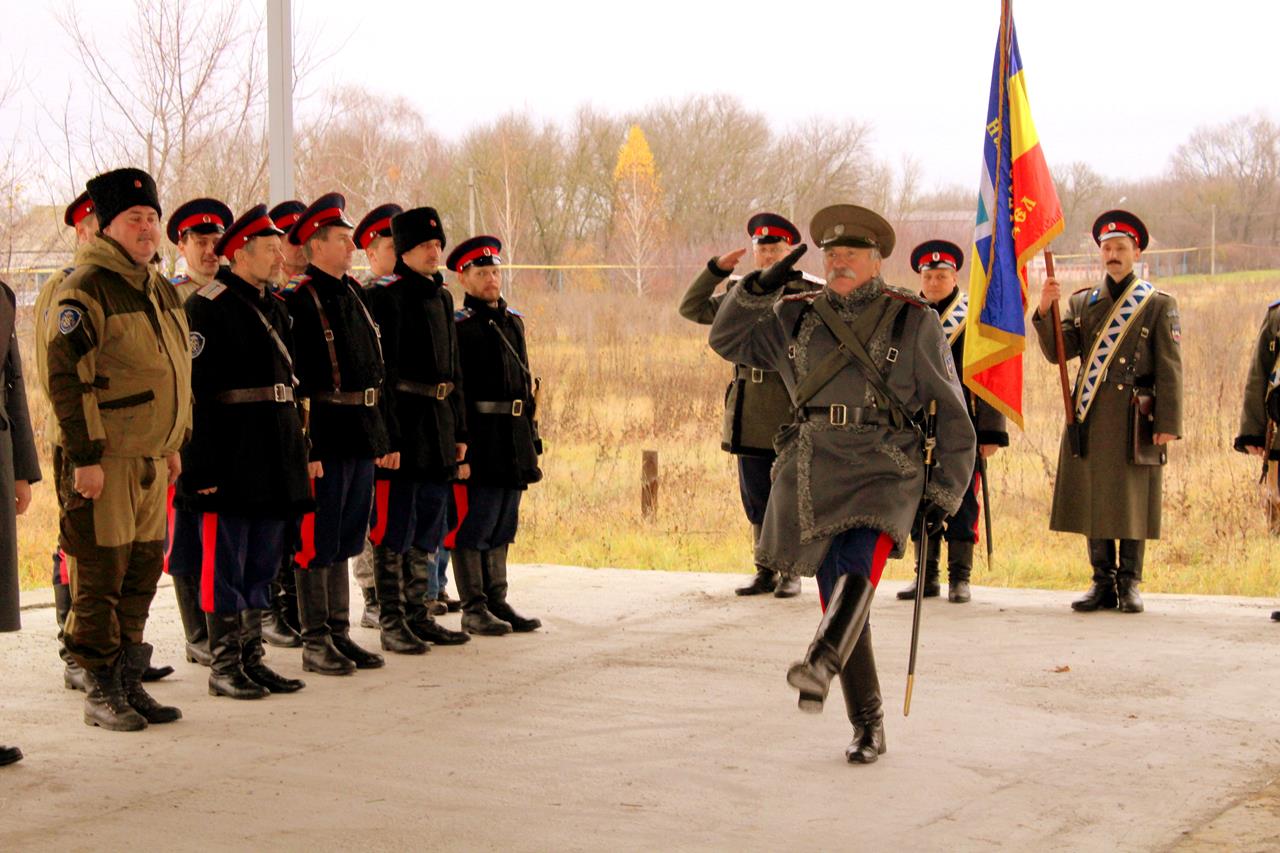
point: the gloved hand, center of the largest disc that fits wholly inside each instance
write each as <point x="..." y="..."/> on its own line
<point x="776" y="276"/>
<point x="931" y="515"/>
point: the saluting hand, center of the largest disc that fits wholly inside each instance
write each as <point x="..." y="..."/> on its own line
<point x="729" y="262"/>
<point x="1049" y="296"/>
<point x="776" y="276"/>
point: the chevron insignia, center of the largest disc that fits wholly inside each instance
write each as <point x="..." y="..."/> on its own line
<point x="953" y="321"/>
<point x="1122" y="315"/>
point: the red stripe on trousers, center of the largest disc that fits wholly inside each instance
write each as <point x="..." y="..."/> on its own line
<point x="64" y="572"/>
<point x="884" y="546"/>
<point x="381" y="498"/>
<point x="168" y="526"/>
<point x="208" y="558"/>
<point x="459" y="501"/>
<point x="977" y="496"/>
<point x="307" y="536"/>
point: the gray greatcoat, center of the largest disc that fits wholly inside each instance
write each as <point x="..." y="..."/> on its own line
<point x="829" y="478"/>
<point x="1104" y="495"/>
<point x="1253" y="413"/>
<point x="17" y="456"/>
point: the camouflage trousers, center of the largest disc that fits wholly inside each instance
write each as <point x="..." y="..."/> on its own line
<point x="117" y="540"/>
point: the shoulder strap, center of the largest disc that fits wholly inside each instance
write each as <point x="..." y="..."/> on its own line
<point x="328" y="337"/>
<point x="364" y="309"/>
<point x="275" y="336"/>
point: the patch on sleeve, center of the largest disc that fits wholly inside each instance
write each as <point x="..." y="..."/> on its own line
<point x="197" y="344"/>
<point x="948" y="361"/>
<point x="69" y="319"/>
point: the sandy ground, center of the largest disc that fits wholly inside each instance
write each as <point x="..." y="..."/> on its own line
<point x="651" y="713"/>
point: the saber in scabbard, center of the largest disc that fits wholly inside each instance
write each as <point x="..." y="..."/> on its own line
<point x="986" y="506"/>
<point x="930" y="441"/>
<point x="1074" y="440"/>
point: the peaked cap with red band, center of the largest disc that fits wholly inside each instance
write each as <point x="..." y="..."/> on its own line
<point x="254" y="222"/>
<point x="936" y="254"/>
<point x="286" y="213"/>
<point x="479" y="251"/>
<point x="329" y="209"/>
<point x="772" y="228"/>
<point x="376" y="223"/>
<point x="201" y="215"/>
<point x="78" y="209"/>
<point x="1120" y="223"/>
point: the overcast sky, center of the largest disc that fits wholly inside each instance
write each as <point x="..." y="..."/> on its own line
<point x="1117" y="85"/>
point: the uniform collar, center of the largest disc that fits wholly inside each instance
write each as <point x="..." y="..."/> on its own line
<point x="479" y="306"/>
<point x="860" y="296"/>
<point x="432" y="282"/>
<point x="1115" y="288"/>
<point x="235" y="282"/>
<point x="945" y="302"/>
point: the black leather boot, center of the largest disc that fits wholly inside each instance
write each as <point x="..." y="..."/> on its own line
<point x="468" y="570"/>
<point x="861" y="687"/>
<point x="287" y="609"/>
<point x="338" y="585"/>
<point x="186" y="589"/>
<point x="1129" y="575"/>
<point x="764" y="582"/>
<point x="137" y="658"/>
<point x="105" y="704"/>
<point x="1101" y="595"/>
<point x="495" y="590"/>
<point x="841" y="624"/>
<point x="73" y="677"/>
<point x="369" y="617"/>
<point x="396" y="636"/>
<point x="1275" y="615"/>
<point x="227" y="676"/>
<point x="253" y="654"/>
<point x="959" y="567"/>
<point x="9" y="755"/>
<point x="788" y="586"/>
<point x="318" y="652"/>
<point x="416" y="569"/>
<point x="932" y="588"/>
<point x="276" y="630"/>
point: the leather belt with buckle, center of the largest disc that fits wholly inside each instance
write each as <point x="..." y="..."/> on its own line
<point x="367" y="397"/>
<point x="514" y="408"/>
<point x="753" y="374"/>
<point x="838" y="414"/>
<point x="437" y="391"/>
<point x="278" y="393"/>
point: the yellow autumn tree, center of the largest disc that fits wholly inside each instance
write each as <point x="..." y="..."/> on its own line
<point x="637" y="205"/>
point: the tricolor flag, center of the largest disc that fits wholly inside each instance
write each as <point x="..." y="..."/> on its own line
<point x="1018" y="215"/>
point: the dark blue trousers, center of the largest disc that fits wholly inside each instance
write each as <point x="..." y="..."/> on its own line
<point x="860" y="551"/>
<point x="409" y="513"/>
<point x="484" y="516"/>
<point x="338" y="527"/>
<point x="754" y="485"/>
<point x="237" y="557"/>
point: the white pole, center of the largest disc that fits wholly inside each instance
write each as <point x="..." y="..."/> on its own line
<point x="280" y="98"/>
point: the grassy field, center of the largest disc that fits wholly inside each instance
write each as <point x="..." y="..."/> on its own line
<point x="626" y="374"/>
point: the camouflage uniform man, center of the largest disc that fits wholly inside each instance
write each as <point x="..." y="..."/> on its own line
<point x="195" y="228"/>
<point x="373" y="237"/>
<point x="937" y="262"/>
<point x="120" y="382"/>
<point x="1127" y="336"/>
<point x="1261" y="409"/>
<point x="862" y="361"/>
<point x="757" y="404"/>
<point x="19" y="468"/>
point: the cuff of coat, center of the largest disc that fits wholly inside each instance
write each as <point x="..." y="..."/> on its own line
<point x="751" y="296"/>
<point x="714" y="269"/>
<point x="91" y="454"/>
<point x="945" y="498"/>
<point x="1243" y="442"/>
<point x="999" y="439"/>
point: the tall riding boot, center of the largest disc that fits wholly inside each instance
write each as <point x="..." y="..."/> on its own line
<point x="9" y="754"/>
<point x="840" y="627"/>
<point x="318" y="652"/>
<point x="276" y="629"/>
<point x="227" y="676"/>
<point x="1101" y="595"/>
<point x="416" y="569"/>
<point x="468" y="570"/>
<point x="396" y="636"/>
<point x="932" y="588"/>
<point x="495" y="590"/>
<point x="73" y="677"/>
<point x="1129" y="575"/>
<point x="861" y="687"/>
<point x="338" y="584"/>
<point x="959" y="567"/>
<point x="287" y="578"/>
<point x="105" y="704"/>
<point x="186" y="589"/>
<point x="252" y="654"/>
<point x="369" y="617"/>
<point x="137" y="660"/>
<point x="766" y="580"/>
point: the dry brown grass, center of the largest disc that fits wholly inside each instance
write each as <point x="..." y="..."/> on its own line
<point x="624" y="374"/>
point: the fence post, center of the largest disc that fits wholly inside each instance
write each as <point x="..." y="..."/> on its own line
<point x="649" y="484"/>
